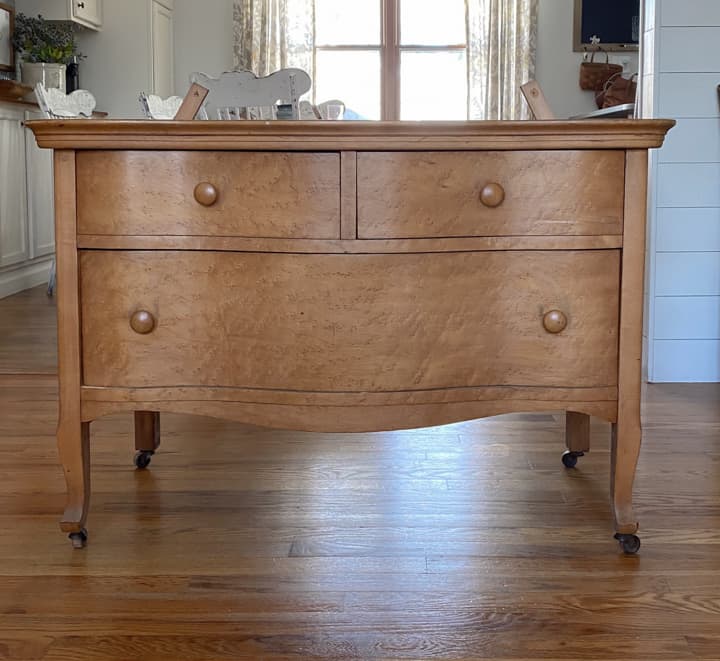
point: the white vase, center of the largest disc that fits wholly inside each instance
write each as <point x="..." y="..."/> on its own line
<point x="50" y="75"/>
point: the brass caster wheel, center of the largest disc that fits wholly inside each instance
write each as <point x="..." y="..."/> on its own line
<point x="630" y="544"/>
<point x="143" y="459"/>
<point x="79" y="539"/>
<point x="570" y="458"/>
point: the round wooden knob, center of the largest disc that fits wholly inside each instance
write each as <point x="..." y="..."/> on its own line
<point x="492" y="195"/>
<point x="554" y="321"/>
<point x="142" y="322"/>
<point x="205" y="193"/>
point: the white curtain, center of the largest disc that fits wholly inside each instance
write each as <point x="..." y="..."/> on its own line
<point x="502" y="36"/>
<point x="274" y="34"/>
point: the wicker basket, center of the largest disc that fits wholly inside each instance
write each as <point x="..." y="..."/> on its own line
<point x="594" y="75"/>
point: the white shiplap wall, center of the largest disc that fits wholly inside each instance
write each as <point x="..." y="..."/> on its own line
<point x="682" y="71"/>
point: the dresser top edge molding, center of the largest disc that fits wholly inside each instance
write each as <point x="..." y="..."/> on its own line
<point x="352" y="136"/>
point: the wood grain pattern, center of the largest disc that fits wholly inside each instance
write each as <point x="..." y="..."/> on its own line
<point x="73" y="435"/>
<point x="626" y="433"/>
<point x="332" y="323"/>
<point x="262" y="195"/>
<point x="352" y="136"/>
<point x="406" y="195"/>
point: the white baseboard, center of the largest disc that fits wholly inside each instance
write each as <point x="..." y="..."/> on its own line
<point x="24" y="277"/>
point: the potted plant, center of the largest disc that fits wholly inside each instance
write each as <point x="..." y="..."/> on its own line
<point x="46" y="48"/>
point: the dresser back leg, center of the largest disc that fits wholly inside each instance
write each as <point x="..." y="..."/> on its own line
<point x="74" y="448"/>
<point x="577" y="431"/>
<point x="147" y="431"/>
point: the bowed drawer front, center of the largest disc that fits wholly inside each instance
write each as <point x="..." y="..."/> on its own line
<point x="445" y="194"/>
<point x="252" y="194"/>
<point x="350" y="323"/>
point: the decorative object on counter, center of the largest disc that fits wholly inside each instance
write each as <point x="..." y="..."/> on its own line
<point x="58" y="105"/>
<point x="617" y="91"/>
<point x="72" y="75"/>
<point x="594" y="75"/>
<point x="155" y="107"/>
<point x="236" y="90"/>
<point x="7" y="53"/>
<point x="46" y="49"/>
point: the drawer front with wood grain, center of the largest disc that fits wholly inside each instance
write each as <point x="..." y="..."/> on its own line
<point x="507" y="193"/>
<point x="253" y="194"/>
<point x="350" y="323"/>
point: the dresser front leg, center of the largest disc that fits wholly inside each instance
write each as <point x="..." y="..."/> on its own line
<point x="577" y="437"/>
<point x="73" y="439"/>
<point x="625" y="450"/>
<point x="147" y="437"/>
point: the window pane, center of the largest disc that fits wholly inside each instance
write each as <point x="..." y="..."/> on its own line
<point x="351" y="76"/>
<point x="347" y="22"/>
<point x="432" y="23"/>
<point x="433" y="85"/>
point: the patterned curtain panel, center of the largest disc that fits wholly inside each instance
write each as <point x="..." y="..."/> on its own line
<point x="274" y="34"/>
<point x="502" y="36"/>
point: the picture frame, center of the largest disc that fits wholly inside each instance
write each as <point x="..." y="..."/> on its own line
<point x="7" y="25"/>
<point x="615" y="22"/>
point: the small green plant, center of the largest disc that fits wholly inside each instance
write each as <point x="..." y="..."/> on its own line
<point x="38" y="40"/>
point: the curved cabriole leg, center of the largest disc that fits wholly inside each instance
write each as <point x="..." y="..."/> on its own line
<point x="74" y="449"/>
<point x="624" y="457"/>
<point x="577" y="437"/>
<point x="147" y="436"/>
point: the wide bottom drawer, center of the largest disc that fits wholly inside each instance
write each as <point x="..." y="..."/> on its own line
<point x="349" y="323"/>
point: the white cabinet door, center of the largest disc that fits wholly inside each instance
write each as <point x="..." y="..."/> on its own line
<point x="87" y="12"/>
<point x="14" y="245"/>
<point x="39" y="195"/>
<point x="162" y="47"/>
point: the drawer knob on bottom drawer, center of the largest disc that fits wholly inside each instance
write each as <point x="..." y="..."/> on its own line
<point x="142" y="322"/>
<point x="206" y="194"/>
<point x="492" y="195"/>
<point x="554" y="321"/>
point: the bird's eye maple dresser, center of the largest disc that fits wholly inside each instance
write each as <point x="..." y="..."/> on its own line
<point x="350" y="276"/>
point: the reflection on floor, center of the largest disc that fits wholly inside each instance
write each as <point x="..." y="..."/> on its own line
<point x="28" y="336"/>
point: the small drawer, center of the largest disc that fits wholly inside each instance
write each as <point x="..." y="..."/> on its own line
<point x="252" y="194"/>
<point x="505" y="193"/>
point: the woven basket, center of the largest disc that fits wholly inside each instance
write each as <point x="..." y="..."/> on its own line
<point x="594" y="75"/>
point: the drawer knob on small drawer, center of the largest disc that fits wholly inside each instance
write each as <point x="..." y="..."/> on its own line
<point x="142" y="322"/>
<point x="554" y="321"/>
<point x="492" y="195"/>
<point x="206" y="194"/>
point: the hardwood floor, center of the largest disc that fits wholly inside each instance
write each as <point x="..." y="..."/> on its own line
<point x="469" y="541"/>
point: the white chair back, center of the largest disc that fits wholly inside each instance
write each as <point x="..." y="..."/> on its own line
<point x="242" y="95"/>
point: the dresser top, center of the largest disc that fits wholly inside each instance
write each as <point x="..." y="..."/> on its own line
<point x="359" y="136"/>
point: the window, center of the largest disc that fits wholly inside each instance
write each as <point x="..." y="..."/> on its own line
<point x="393" y="59"/>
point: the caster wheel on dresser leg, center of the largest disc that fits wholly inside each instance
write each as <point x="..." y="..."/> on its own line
<point x="630" y="543"/>
<point x="78" y="539"/>
<point x="570" y="458"/>
<point x="143" y="459"/>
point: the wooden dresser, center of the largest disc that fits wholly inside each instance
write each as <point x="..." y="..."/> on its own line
<point x="350" y="276"/>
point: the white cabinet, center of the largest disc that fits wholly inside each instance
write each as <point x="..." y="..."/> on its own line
<point x="162" y="48"/>
<point x="14" y="244"/>
<point x="132" y="54"/>
<point x="26" y="203"/>
<point x="83" y="12"/>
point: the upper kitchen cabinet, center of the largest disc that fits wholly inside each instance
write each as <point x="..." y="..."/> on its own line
<point x="87" y="13"/>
